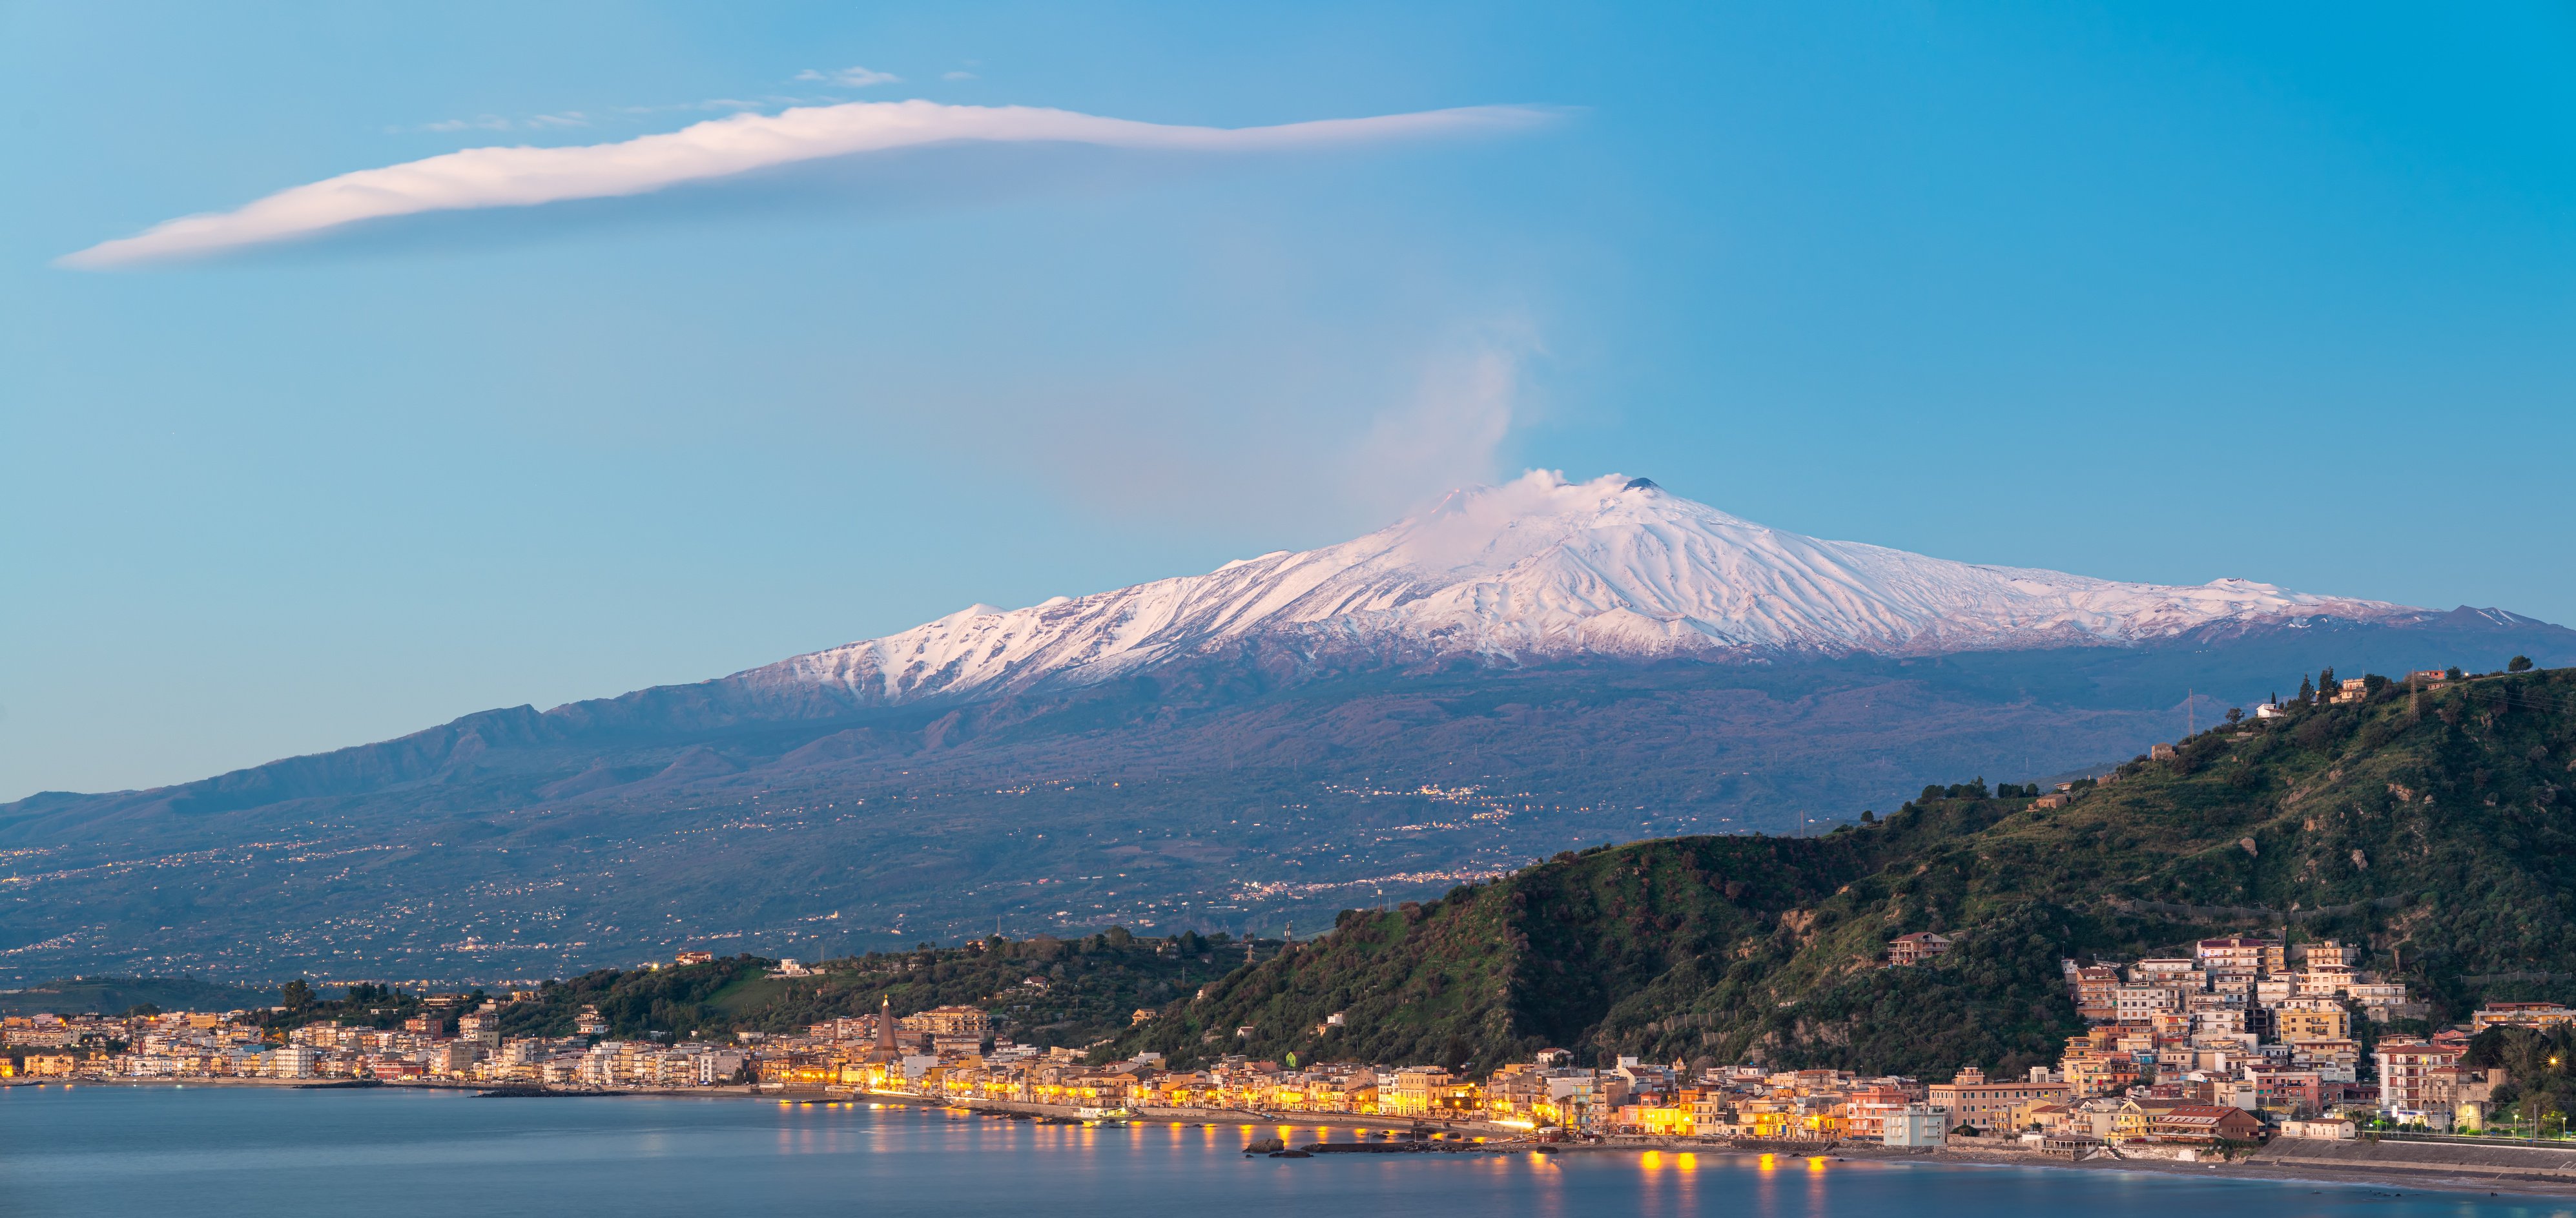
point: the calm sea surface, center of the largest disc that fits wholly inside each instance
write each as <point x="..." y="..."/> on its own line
<point x="204" y="1151"/>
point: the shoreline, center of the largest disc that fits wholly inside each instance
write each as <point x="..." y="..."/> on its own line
<point x="1500" y="1140"/>
<point x="2395" y="1179"/>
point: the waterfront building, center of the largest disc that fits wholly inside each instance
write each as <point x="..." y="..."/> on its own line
<point x="1992" y="1105"/>
<point x="2407" y="1065"/>
<point x="1916" y="1126"/>
<point x="1416" y="1090"/>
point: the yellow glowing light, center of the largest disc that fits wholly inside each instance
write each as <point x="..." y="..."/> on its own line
<point x="1652" y="1160"/>
<point x="1686" y="1162"/>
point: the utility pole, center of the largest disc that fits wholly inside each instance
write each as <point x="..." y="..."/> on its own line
<point x="2190" y="717"/>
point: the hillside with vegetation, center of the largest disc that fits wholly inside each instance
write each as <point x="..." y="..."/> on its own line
<point x="1041" y="991"/>
<point x="121" y="995"/>
<point x="2431" y="827"/>
<point x="1214" y="794"/>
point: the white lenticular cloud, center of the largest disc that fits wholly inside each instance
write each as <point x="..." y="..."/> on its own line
<point x="718" y="148"/>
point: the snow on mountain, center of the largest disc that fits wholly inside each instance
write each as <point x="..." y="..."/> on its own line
<point x="1542" y="568"/>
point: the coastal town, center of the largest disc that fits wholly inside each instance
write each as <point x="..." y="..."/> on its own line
<point x="2243" y="1041"/>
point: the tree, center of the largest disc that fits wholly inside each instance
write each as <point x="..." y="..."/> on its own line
<point x="2235" y="715"/>
<point x="298" y="995"/>
<point x="2325" y="684"/>
<point x="2307" y="691"/>
<point x="2518" y="664"/>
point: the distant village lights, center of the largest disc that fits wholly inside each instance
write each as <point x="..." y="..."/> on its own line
<point x="2243" y="1039"/>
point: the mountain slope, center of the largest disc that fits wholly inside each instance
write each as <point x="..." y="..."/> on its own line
<point x="1542" y="569"/>
<point x="1452" y="696"/>
<point x="2435" y="832"/>
<point x="1537" y="573"/>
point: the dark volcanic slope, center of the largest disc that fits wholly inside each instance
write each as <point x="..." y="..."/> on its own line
<point x="1221" y="796"/>
<point x="2436" y="835"/>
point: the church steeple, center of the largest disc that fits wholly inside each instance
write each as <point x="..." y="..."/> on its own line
<point x="885" y="1022"/>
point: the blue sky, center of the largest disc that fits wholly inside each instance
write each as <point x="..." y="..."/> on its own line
<point x="2164" y="293"/>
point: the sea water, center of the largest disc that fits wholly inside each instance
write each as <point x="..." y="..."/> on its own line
<point x="101" y="1150"/>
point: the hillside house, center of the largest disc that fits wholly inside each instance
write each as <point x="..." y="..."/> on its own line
<point x="2239" y="955"/>
<point x="2328" y="952"/>
<point x="2096" y="989"/>
<point x="1916" y="948"/>
<point x="2521" y="1015"/>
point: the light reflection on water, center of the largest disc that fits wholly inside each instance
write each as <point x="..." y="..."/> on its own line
<point x="226" y="1153"/>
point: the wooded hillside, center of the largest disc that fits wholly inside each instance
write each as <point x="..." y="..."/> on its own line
<point x="2432" y="828"/>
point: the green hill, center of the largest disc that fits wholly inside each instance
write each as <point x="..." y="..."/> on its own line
<point x="2433" y="829"/>
<point x="1041" y="991"/>
<point x="117" y="995"/>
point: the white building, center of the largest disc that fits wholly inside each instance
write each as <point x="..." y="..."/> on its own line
<point x="2136" y="1003"/>
<point x="1916" y="1125"/>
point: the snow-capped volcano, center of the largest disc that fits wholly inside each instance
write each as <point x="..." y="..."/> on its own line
<point x="1543" y="568"/>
